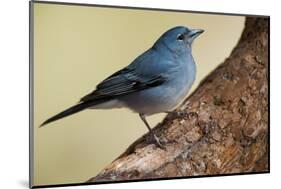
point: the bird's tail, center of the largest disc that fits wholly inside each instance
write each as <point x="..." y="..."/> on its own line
<point x="72" y="110"/>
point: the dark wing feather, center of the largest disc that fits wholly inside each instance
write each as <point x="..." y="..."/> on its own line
<point x="123" y="82"/>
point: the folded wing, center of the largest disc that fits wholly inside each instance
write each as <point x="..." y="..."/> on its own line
<point x="123" y="82"/>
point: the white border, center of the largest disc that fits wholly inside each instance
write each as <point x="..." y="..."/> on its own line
<point x="14" y="92"/>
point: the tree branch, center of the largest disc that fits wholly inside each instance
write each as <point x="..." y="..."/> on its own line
<point x="221" y="128"/>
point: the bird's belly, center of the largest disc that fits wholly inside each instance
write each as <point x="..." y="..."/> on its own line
<point x="158" y="99"/>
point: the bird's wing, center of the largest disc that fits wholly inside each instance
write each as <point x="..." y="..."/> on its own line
<point x="123" y="82"/>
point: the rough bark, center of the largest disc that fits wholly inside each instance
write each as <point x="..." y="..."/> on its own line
<point x="222" y="128"/>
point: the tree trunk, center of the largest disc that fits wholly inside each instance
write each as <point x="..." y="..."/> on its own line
<point x="222" y="128"/>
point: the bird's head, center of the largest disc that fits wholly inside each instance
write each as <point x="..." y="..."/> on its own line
<point x="178" y="39"/>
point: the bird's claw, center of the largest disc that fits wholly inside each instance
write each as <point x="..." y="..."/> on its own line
<point x="158" y="143"/>
<point x="179" y="114"/>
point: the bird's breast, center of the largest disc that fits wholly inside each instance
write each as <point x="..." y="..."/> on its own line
<point x="182" y="83"/>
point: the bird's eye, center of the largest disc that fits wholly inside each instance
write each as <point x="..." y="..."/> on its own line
<point x="180" y="37"/>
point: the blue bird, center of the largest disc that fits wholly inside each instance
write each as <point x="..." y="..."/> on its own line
<point x="156" y="81"/>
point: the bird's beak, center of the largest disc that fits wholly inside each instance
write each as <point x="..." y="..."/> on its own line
<point x="195" y="33"/>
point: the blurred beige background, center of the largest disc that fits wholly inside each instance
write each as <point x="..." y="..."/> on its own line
<point x="75" y="47"/>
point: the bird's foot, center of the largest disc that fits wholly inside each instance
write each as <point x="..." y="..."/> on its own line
<point x="183" y="114"/>
<point x="158" y="142"/>
<point x="179" y="114"/>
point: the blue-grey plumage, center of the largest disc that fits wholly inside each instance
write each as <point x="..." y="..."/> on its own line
<point x="156" y="81"/>
<point x="171" y="59"/>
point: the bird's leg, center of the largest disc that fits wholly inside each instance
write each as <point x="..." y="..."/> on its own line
<point x="157" y="140"/>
